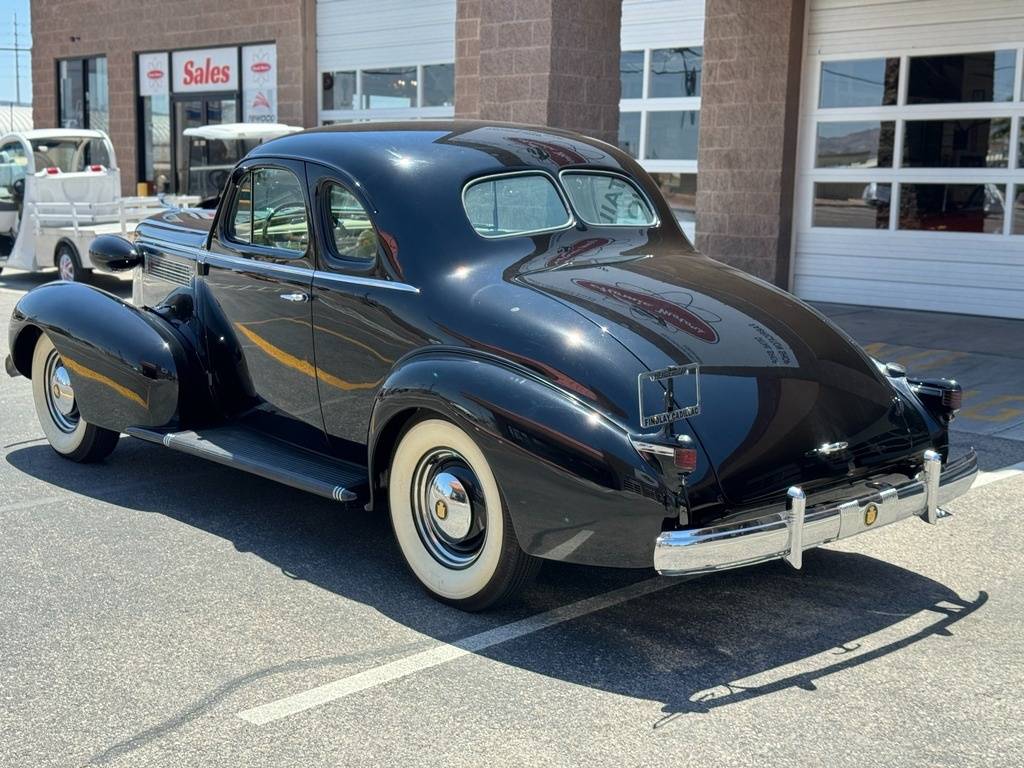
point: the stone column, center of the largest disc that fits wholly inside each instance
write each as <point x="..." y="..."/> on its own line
<point x="748" y="131"/>
<point x="545" y="62"/>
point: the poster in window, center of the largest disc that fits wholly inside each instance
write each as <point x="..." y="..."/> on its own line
<point x="259" y="83"/>
<point x="154" y="74"/>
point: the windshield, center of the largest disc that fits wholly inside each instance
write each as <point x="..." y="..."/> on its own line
<point x="70" y="154"/>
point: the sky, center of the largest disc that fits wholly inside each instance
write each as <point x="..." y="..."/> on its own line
<point x="8" y="8"/>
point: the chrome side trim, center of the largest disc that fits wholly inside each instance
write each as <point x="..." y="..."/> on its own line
<point x="370" y="282"/>
<point x="785" y="535"/>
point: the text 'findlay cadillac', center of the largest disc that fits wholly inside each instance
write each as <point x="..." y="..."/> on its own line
<point x="498" y="336"/>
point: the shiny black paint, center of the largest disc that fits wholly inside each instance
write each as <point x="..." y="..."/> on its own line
<point x="129" y="366"/>
<point x="532" y="344"/>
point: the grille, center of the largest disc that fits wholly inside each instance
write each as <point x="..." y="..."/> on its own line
<point x="170" y="269"/>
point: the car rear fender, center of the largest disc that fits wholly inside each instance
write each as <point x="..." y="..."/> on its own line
<point x="575" y="487"/>
<point x="129" y="366"/>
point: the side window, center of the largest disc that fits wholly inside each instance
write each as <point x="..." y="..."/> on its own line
<point x="270" y="210"/>
<point x="351" y="229"/>
<point x="13" y="166"/>
<point x="514" y="205"/>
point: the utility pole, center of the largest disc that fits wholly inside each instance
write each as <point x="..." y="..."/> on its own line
<point x="17" y="62"/>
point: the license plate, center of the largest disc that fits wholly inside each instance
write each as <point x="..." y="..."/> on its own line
<point x="669" y="395"/>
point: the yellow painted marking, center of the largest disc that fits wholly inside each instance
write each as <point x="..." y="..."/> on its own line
<point x="300" y="365"/>
<point x="88" y="373"/>
<point x="978" y="410"/>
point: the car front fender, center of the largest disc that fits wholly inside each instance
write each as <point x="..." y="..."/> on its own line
<point x="575" y="487"/>
<point x="128" y="366"/>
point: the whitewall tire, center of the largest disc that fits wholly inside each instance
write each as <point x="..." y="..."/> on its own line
<point x="449" y="519"/>
<point x="53" y="393"/>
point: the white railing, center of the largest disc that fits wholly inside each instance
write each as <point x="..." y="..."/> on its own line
<point x="125" y="211"/>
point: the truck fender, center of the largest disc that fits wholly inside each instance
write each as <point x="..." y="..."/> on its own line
<point x="575" y="487"/>
<point x="129" y="366"/>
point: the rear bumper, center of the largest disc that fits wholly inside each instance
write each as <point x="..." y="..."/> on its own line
<point x="785" y="535"/>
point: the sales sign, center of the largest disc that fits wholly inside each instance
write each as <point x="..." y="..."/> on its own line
<point x="205" y="69"/>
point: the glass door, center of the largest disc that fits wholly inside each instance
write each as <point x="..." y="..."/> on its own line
<point x="200" y="165"/>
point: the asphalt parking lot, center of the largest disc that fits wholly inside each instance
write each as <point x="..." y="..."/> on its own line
<point x="156" y="610"/>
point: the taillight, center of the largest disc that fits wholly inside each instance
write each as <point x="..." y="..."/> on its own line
<point x="96" y="167"/>
<point x="683" y="455"/>
<point x="686" y="460"/>
<point x="52" y="170"/>
<point x="943" y="397"/>
<point x="952" y="399"/>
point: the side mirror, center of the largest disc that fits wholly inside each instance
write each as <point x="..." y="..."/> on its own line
<point x="114" y="253"/>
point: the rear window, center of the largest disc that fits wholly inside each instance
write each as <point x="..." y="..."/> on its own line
<point x="70" y="154"/>
<point x="501" y="206"/>
<point x="601" y="199"/>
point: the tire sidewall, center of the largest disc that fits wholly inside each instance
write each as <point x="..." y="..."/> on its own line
<point x="450" y="585"/>
<point x="64" y="443"/>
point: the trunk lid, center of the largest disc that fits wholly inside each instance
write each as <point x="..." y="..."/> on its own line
<point x="777" y="380"/>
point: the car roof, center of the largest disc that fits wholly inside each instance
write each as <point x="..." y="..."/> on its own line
<point x="447" y="150"/>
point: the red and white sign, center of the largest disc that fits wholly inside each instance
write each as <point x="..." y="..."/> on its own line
<point x="259" y="83"/>
<point x="154" y="74"/>
<point x="206" y="69"/>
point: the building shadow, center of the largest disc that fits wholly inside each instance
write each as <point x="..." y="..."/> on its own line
<point x="693" y="647"/>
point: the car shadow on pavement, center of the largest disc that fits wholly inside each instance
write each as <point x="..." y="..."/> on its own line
<point x="693" y="647"/>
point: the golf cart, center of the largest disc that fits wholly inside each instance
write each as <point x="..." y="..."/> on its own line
<point x="214" y="150"/>
<point x="60" y="188"/>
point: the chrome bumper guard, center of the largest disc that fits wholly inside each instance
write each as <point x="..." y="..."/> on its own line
<point x="785" y="535"/>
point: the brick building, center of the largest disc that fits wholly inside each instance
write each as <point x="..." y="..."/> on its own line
<point x="850" y="155"/>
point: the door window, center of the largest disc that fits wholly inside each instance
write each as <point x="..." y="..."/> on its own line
<point x="351" y="229"/>
<point x="13" y="165"/>
<point x="269" y="210"/>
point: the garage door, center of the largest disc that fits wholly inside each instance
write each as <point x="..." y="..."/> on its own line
<point x="910" y="185"/>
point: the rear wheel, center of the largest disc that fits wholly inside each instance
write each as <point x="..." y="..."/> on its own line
<point x="69" y="265"/>
<point x="54" y="395"/>
<point x="449" y="520"/>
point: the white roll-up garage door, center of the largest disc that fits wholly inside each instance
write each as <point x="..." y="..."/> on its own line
<point x="910" y="184"/>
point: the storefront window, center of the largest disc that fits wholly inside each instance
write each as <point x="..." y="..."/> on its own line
<point x="852" y="205"/>
<point x="672" y="135"/>
<point x="983" y="143"/>
<point x="859" y="83"/>
<point x="855" y="144"/>
<point x="156" y="148"/>
<point x="676" y="72"/>
<point x="629" y="133"/>
<point x="389" y="88"/>
<point x="961" y="77"/>
<point x="439" y="85"/>
<point x="631" y="74"/>
<point x="82" y="93"/>
<point x="952" y="207"/>
<point x="680" y="192"/>
<point x="339" y="90"/>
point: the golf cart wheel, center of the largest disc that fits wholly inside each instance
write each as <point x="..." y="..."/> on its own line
<point x="69" y="265"/>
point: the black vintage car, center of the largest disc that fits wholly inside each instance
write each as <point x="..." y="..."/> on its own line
<point x="498" y="336"/>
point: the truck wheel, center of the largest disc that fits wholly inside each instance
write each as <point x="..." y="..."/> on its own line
<point x="448" y="517"/>
<point x="70" y="266"/>
<point x="68" y="433"/>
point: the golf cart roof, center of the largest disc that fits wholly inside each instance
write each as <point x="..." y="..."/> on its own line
<point x="242" y="131"/>
<point x="61" y="133"/>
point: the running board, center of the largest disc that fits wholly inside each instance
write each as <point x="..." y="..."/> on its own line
<point x="255" y="452"/>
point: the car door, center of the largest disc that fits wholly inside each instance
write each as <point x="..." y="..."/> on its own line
<point x="358" y="308"/>
<point x="256" y="302"/>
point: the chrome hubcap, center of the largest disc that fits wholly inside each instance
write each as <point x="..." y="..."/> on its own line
<point x="448" y="508"/>
<point x="60" y="395"/>
<point x="66" y="267"/>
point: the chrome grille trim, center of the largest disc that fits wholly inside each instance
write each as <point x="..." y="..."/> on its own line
<point x="170" y="269"/>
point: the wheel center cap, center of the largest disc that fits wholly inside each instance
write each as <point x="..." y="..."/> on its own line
<point x="449" y="499"/>
<point x="63" y="392"/>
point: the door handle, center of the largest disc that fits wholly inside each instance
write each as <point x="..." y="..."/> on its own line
<point x="294" y="296"/>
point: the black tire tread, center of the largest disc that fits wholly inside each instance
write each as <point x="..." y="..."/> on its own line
<point x="97" y="444"/>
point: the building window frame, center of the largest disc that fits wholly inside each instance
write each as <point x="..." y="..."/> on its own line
<point x="86" y="90"/>
<point x="1009" y="179"/>
<point x="360" y="114"/>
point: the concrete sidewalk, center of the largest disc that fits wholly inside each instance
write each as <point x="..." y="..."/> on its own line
<point x="986" y="355"/>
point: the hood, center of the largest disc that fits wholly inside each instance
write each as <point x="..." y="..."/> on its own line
<point x="777" y="379"/>
<point x="179" y="226"/>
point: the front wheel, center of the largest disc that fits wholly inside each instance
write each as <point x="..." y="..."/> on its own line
<point x="69" y="434"/>
<point x="448" y="517"/>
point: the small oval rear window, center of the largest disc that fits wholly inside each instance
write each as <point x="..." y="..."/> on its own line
<point x="601" y="199"/>
<point x="503" y="206"/>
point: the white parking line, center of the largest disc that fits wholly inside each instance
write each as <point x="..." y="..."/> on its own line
<point x="984" y="478"/>
<point x="395" y="670"/>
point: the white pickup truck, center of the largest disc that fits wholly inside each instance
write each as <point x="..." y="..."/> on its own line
<point x="59" y="189"/>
